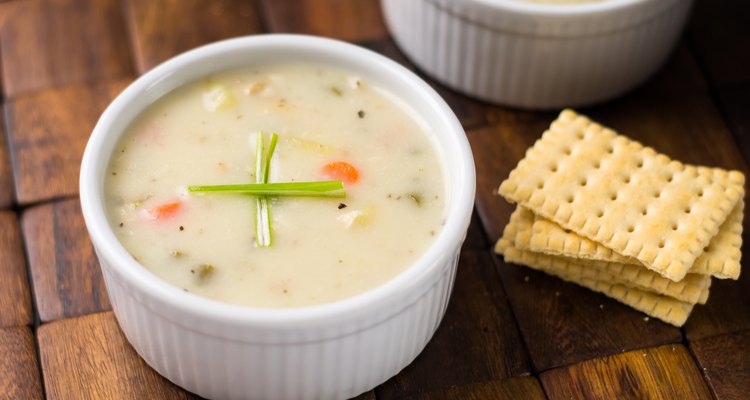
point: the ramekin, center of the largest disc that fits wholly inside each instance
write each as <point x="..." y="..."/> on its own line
<point x="329" y="351"/>
<point x="537" y="56"/>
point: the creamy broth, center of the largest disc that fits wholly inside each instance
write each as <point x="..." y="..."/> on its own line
<point x="204" y="133"/>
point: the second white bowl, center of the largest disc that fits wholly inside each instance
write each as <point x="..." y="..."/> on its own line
<point x="539" y="56"/>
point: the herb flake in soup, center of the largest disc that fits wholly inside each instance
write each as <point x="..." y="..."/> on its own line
<point x="334" y="128"/>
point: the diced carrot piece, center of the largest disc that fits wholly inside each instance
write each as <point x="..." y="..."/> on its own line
<point x="165" y="210"/>
<point x="342" y="170"/>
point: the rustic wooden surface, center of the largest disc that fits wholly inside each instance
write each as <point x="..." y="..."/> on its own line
<point x="509" y="332"/>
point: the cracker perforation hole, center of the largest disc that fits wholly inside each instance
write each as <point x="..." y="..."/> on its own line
<point x="675" y="227"/>
<point x="610" y="149"/>
<point x="599" y="214"/>
<point x="700" y="192"/>
<point x="567" y="151"/>
<point x="688" y="209"/>
<point x="540" y="185"/>
<point x="613" y="196"/>
<point x="639" y="164"/>
<point x="631" y="228"/>
<point x="661" y="244"/>
<point x="626" y="179"/>
<point x="583" y="182"/>
<point x="644" y="211"/>
<point x="670" y="178"/>
<point x="553" y="167"/>
<point x="657" y="194"/>
<point x="597" y="164"/>
<point x="569" y="199"/>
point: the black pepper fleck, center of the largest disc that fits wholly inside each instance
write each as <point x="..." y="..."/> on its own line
<point x="182" y="228"/>
<point x="342" y="205"/>
<point x="361" y="113"/>
<point x="114" y="173"/>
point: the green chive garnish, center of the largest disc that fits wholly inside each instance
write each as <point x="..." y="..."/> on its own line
<point x="279" y="189"/>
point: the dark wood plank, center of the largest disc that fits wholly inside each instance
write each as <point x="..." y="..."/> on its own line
<point x="349" y="20"/>
<point x="89" y="357"/>
<point x="725" y="361"/>
<point x="526" y="387"/>
<point x="162" y="29"/>
<point x="497" y="149"/>
<point x="19" y="374"/>
<point x="65" y="273"/>
<point x="477" y="341"/>
<point x="687" y="128"/>
<point x="366" y="396"/>
<point x="6" y="173"/>
<point x="719" y="32"/>
<point x="15" y="298"/>
<point x="47" y="133"/>
<point x="734" y="103"/>
<point x="44" y="44"/>
<point x="665" y="372"/>
<point x="475" y="239"/>
<point x="728" y="306"/>
<point x="471" y="113"/>
<point x="563" y="323"/>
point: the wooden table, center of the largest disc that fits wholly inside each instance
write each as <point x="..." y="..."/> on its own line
<point x="509" y="332"/>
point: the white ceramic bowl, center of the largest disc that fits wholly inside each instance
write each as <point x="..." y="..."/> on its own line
<point x="531" y="55"/>
<point x="330" y="351"/>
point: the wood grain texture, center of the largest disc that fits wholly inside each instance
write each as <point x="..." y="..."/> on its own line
<point x="665" y="372"/>
<point x="477" y="340"/>
<point x="161" y="29"/>
<point x="89" y="357"/>
<point x="526" y="388"/>
<point x="471" y="113"/>
<point x="725" y="361"/>
<point x="47" y="133"/>
<point x="350" y="20"/>
<point x="44" y="44"/>
<point x="15" y="298"/>
<point x="65" y="273"/>
<point x="563" y="323"/>
<point x="719" y="32"/>
<point x="19" y="374"/>
<point x="6" y="173"/>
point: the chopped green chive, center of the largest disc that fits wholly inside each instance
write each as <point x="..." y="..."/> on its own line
<point x="279" y="189"/>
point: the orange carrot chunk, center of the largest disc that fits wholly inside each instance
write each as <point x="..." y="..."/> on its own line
<point x="343" y="171"/>
<point x="165" y="210"/>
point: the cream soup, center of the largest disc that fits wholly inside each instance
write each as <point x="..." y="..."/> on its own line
<point x="323" y="249"/>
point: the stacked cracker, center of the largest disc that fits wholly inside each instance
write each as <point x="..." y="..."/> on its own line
<point x="600" y="210"/>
